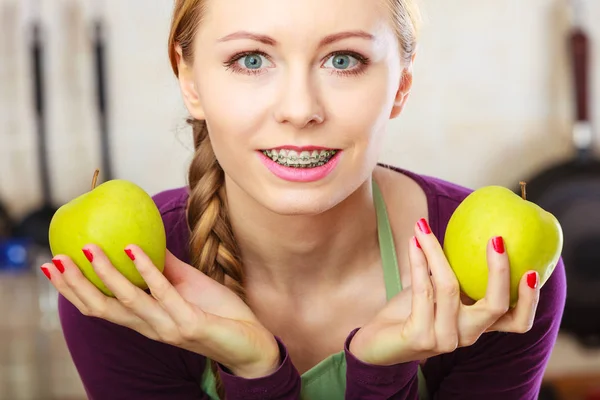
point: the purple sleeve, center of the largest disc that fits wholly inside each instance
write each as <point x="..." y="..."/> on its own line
<point x="117" y="363"/>
<point x="376" y="382"/>
<point x="283" y="384"/>
<point x="503" y="366"/>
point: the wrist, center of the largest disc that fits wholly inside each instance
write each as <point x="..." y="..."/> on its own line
<point x="268" y="362"/>
<point x="356" y="346"/>
<point x="368" y="346"/>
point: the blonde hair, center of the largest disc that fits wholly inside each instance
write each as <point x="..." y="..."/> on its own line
<point x="212" y="245"/>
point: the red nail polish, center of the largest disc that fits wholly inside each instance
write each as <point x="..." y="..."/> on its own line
<point x="498" y="244"/>
<point x="532" y="280"/>
<point x="88" y="255"/>
<point x="130" y="254"/>
<point x="416" y="242"/>
<point x="59" y="265"/>
<point x="424" y="226"/>
<point x="46" y="272"/>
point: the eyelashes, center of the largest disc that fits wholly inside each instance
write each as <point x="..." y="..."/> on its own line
<point x="360" y="63"/>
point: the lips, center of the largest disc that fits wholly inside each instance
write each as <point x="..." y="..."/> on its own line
<point x="306" y="166"/>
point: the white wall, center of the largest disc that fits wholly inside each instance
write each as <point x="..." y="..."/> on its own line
<point x="491" y="99"/>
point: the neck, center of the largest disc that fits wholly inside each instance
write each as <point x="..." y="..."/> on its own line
<point x="296" y="253"/>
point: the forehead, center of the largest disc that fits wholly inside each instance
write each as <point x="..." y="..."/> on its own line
<point x="299" y="20"/>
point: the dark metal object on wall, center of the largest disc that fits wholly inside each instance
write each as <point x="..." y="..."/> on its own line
<point x="35" y="225"/>
<point x="101" y="97"/>
<point x="571" y="191"/>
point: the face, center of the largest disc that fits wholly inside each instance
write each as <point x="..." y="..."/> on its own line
<point x="296" y="96"/>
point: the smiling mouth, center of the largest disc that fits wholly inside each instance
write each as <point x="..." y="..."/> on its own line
<point x="300" y="159"/>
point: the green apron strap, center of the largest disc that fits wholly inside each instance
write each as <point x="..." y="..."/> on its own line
<point x="389" y="262"/>
<point x="423" y="392"/>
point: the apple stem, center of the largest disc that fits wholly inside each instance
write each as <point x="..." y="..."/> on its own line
<point x="95" y="178"/>
<point x="523" y="190"/>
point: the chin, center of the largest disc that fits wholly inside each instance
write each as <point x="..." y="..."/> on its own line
<point x="307" y="199"/>
<point x="305" y="205"/>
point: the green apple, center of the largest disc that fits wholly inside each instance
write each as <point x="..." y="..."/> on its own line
<point x="112" y="215"/>
<point x="533" y="238"/>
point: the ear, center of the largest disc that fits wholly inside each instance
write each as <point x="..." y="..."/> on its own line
<point x="403" y="92"/>
<point x="188" y="86"/>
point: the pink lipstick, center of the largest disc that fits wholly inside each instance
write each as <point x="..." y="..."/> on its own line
<point x="300" y="164"/>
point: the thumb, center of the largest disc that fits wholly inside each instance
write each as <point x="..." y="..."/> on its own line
<point x="176" y="270"/>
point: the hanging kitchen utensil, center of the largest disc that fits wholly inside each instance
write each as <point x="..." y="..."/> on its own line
<point x="101" y="92"/>
<point x="35" y="225"/>
<point x="571" y="191"/>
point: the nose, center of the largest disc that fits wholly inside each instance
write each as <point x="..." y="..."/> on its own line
<point x="299" y="103"/>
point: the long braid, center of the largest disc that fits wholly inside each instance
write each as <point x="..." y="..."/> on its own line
<point x="212" y="244"/>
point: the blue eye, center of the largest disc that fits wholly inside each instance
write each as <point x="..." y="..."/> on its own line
<point x="342" y="62"/>
<point x="252" y="61"/>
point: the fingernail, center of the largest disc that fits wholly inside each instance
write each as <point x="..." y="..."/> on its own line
<point x="46" y="272"/>
<point x="532" y="280"/>
<point x="424" y="226"/>
<point x="130" y="254"/>
<point x="88" y="255"/>
<point x="416" y="242"/>
<point x="59" y="265"/>
<point x="498" y="244"/>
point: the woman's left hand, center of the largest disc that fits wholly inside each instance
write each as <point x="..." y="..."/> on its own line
<point x="429" y="318"/>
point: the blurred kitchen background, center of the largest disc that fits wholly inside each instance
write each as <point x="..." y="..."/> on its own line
<point x="493" y="103"/>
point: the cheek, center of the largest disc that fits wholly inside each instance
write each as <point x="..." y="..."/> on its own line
<point x="362" y="114"/>
<point x="234" y="108"/>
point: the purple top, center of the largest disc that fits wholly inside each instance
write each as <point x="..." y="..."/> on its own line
<point x="118" y="363"/>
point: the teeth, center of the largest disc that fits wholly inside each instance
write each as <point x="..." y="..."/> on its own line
<point x="292" y="157"/>
<point x="304" y="159"/>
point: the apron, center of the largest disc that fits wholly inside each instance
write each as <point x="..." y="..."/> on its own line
<point x="327" y="379"/>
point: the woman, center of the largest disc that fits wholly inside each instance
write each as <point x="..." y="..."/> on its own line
<point x="289" y="250"/>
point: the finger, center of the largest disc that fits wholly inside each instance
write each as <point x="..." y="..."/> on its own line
<point x="422" y="313"/>
<point x="171" y="272"/>
<point x="497" y="296"/>
<point x="520" y="318"/>
<point x="447" y="289"/>
<point x="485" y="312"/>
<point x="93" y="302"/>
<point x="176" y="272"/>
<point x="162" y="290"/>
<point x="129" y="295"/>
<point x="438" y="264"/>
<point x="478" y="318"/>
<point x="53" y="272"/>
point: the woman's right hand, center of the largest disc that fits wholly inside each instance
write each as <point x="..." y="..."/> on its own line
<point x="186" y="309"/>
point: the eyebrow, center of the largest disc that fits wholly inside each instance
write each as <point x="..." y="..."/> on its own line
<point x="269" y="41"/>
